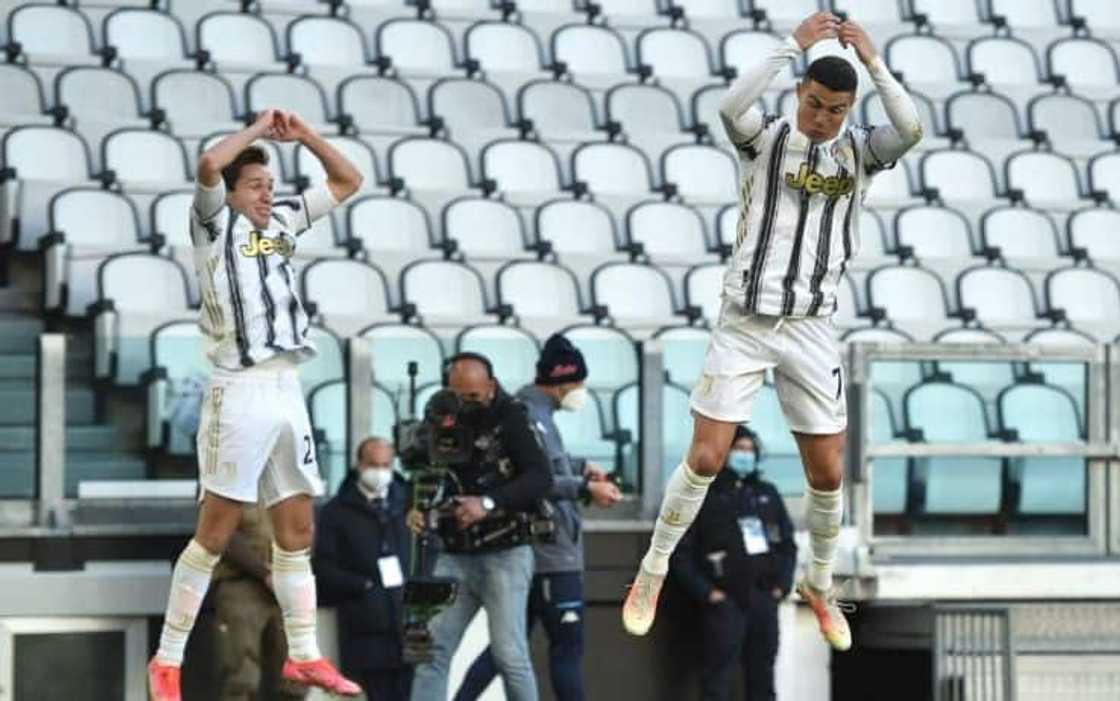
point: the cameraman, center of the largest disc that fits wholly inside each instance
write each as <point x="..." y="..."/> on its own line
<point x="508" y="474"/>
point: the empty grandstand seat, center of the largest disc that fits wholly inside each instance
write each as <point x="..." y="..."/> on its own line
<point x="908" y="295"/>
<point x="704" y="109"/>
<point x="949" y="17"/>
<point x="934" y="232"/>
<point x="960" y="176"/>
<point x="650" y="115"/>
<point x="682" y="352"/>
<point x="986" y="377"/>
<point x="360" y="155"/>
<point x="394" y="346"/>
<point x="559" y="111"/>
<point x="889" y="476"/>
<point x="145" y="160"/>
<point x="380" y="105"/>
<point x="43" y="161"/>
<point x="484" y="228"/>
<point x="634" y="295"/>
<point x="542" y="295"/>
<point x="1047" y="179"/>
<point x="893" y="377"/>
<point x="1040" y="413"/>
<point x="98" y="100"/>
<point x="328" y="413"/>
<point x="473" y="111"/>
<point x="1071" y="123"/>
<point x="1088" y="65"/>
<point x="669" y="232"/>
<point x="504" y="47"/>
<point x="892" y="187"/>
<point x="989" y="121"/>
<point x="1095" y="231"/>
<point x="613" y="169"/>
<point x="703" y="286"/>
<point x="430" y="164"/>
<point x="702" y="173"/>
<point x="524" y="170"/>
<point x="674" y="53"/>
<point x="584" y="432"/>
<point x="23" y="97"/>
<point x="51" y="35"/>
<point x="1000" y="297"/>
<point x="136" y="293"/>
<point x="1088" y="296"/>
<point x="417" y="47"/>
<point x="928" y="63"/>
<point x="293" y="93"/>
<point x="675" y="423"/>
<point x="727" y="225"/>
<point x="1005" y="62"/>
<point x="349" y="294"/>
<point x="872" y="234"/>
<point x="961" y="486"/>
<point x="929" y="115"/>
<point x="445" y="293"/>
<point x="847" y="304"/>
<point x="178" y="359"/>
<point x="513" y="351"/>
<point x="238" y="42"/>
<point x="783" y="465"/>
<point x="145" y="34"/>
<point x="390" y="224"/>
<point x="1020" y="232"/>
<point x="327" y="41"/>
<point x="1071" y="377"/>
<point x="195" y="103"/>
<point x="595" y="55"/>
<point x="1104" y="174"/>
<point x="87" y="225"/>
<point x="1023" y="14"/>
<point x="329" y="361"/>
<point x="576" y="227"/>
<point x="743" y="48"/>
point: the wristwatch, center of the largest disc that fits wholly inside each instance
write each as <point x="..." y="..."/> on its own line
<point x="488" y="504"/>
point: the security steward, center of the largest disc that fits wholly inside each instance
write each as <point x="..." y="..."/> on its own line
<point x="737" y="562"/>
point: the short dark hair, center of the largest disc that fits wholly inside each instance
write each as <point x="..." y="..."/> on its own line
<point x="467" y="355"/>
<point x="372" y="440"/>
<point x="834" y="73"/>
<point x="253" y="155"/>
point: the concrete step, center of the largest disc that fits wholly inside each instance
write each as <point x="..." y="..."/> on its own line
<point x="78" y="438"/>
<point x="18" y="400"/>
<point x="19" y="333"/>
<point x="16" y="366"/>
<point x="17" y="470"/>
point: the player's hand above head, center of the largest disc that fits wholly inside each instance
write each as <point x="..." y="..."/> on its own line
<point x="816" y="27"/>
<point x="265" y="123"/>
<point x="292" y="127"/>
<point x="852" y="34"/>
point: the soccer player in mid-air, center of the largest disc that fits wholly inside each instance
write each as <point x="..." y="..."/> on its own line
<point x="254" y="437"/>
<point x="802" y="181"/>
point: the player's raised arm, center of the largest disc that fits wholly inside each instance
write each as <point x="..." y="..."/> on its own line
<point x="221" y="154"/>
<point x="888" y="142"/>
<point x="343" y="179"/>
<point x="741" y="118"/>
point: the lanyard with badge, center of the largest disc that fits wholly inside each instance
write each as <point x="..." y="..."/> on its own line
<point x="389" y="566"/>
<point x="754" y="535"/>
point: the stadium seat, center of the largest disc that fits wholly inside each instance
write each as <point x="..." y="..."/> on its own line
<point x="613" y="169"/>
<point x="1071" y="377"/>
<point x="960" y="176"/>
<point x="527" y="172"/>
<point x="1090" y="298"/>
<point x="320" y="241"/>
<point x="136" y="293"/>
<point x="384" y="224"/>
<point x="144" y="34"/>
<point x="891" y="188"/>
<point x="52" y="35"/>
<point x="727" y="225"/>
<point x="1088" y="65"/>
<point x="634" y="295"/>
<point x="704" y="109"/>
<point x="892" y="377"/>
<point x="360" y="155"/>
<point x="1027" y="14"/>
<point x="43" y="161"/>
<point x="872" y="234"/>
<point x="394" y="346"/>
<point x="1094" y="230"/>
<point x="87" y="225"/>
<point x="847" y="304"/>
<point x="682" y="353"/>
<point x="348" y="294"/>
<point x="1048" y="180"/>
<point x="178" y="359"/>
<point x="238" y="42"/>
<point x="23" y="97"/>
<point x="380" y="106"/>
<point x="933" y="232"/>
<point x="649" y="115"/>
<point x="883" y="12"/>
<point x="595" y="55"/>
<point x="445" y="293"/>
<point x="675" y="54"/>
<point x="329" y="361"/>
<point x="99" y="100"/>
<point x="988" y="378"/>
<point x="928" y="63"/>
<point x="513" y="351"/>
<point x="956" y="487"/>
<point x="703" y="174"/>
<point x="292" y="93"/>
<point x="327" y="409"/>
<point x="933" y="133"/>
<point x="1104" y="175"/>
<point x="1020" y="232"/>
<point x="949" y="18"/>
<point x="577" y="228"/>
<point x="145" y="160"/>
<point x="669" y="233"/>
<point x="430" y="164"/>
<point x="504" y="47"/>
<point x="782" y="465"/>
<point x="543" y="296"/>
<point x="743" y="48"/>
<point x="473" y="111"/>
<point x="989" y="121"/>
<point x="675" y="424"/>
<point x="584" y="432"/>
<point x="1071" y="123"/>
<point x="559" y="111"/>
<point x="909" y="295"/>
<point x="195" y="103"/>
<point x="1100" y="15"/>
<point x="889" y="476"/>
<point x="703" y="287"/>
<point x="1008" y="64"/>
<point x="999" y="296"/>
<point x="611" y="356"/>
<point x="327" y="41"/>
<point x="417" y="47"/>
<point x="484" y="228"/>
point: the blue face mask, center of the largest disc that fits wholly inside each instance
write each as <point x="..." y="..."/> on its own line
<point x="741" y="462"/>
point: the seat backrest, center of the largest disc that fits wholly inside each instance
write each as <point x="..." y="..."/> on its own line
<point x="589" y="49"/>
<point x="233" y="37"/>
<point x="557" y="107"/>
<point x="634" y="8"/>
<point x="443" y="288"/>
<point x="1026" y="13"/>
<point x="416" y="45"/>
<point x="923" y="58"/>
<point x="959" y="175"/>
<point x="360" y="155"/>
<point x="141" y="33"/>
<point x="378" y="102"/>
<point x="1065" y="117"/>
<point x="1095" y="230"/>
<point x="95" y="218"/>
<point x="612" y="169"/>
<point x="674" y="53"/>
<point x="871" y="233"/>
<point x="1004" y="60"/>
<point x="194" y="96"/>
<point x="1082" y="61"/>
<point x="1099" y="14"/>
<point x="1020" y="232"/>
<point x="1059" y="337"/>
<point x="391" y="224"/>
<point x="575" y="226"/>
<point x="521" y="166"/>
<point x="908" y="294"/>
<point x="140" y="282"/>
<point x="847" y="302"/>
<point x="610" y="351"/>
<point x="644" y="109"/>
<point x="633" y="291"/>
<point x="946" y="413"/>
<point x="179" y="347"/>
<point x="891" y="184"/>
<point x="100" y="94"/>
<point x="46" y="153"/>
<point x="466" y="105"/>
<point x="145" y="155"/>
<point x="328" y="361"/>
<point x="393" y="346"/>
<point x="327" y="41"/>
<point x="942" y="12"/>
<point x="501" y="46"/>
<point x="21" y="89"/>
<point x="345" y="287"/>
<point x="721" y="9"/>
<point x="1085" y="294"/>
<point x="683" y="349"/>
<point x="319" y="240"/>
<point x="294" y="93"/>
<point x="741" y="49"/>
<point x="702" y="173"/>
<point x="513" y="351"/>
<point x="702" y="287"/>
<point x="1043" y="177"/>
<point x="484" y="227"/>
<point x="998" y="295"/>
<point x="429" y="164"/>
<point x="667" y="229"/>
<point x="170" y="217"/>
<point x="883" y="426"/>
<point x="934" y="232"/>
<point x="1104" y="174"/>
<point x="786" y="11"/>
<point x="984" y="116"/>
<point x="50" y="29"/>
<point x="1040" y="413"/>
<point x="539" y="289"/>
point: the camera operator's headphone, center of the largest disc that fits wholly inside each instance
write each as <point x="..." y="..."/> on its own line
<point x="741" y="431"/>
<point x="466" y="355"/>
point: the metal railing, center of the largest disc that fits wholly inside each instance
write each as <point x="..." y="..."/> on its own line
<point x="973" y="655"/>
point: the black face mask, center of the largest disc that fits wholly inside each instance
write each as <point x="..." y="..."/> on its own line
<point x="471" y="410"/>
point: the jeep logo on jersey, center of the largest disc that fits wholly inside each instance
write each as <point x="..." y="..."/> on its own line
<point x="832" y="186"/>
<point x="263" y="246"/>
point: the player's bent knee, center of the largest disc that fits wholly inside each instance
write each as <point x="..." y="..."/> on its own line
<point x="705" y="459"/>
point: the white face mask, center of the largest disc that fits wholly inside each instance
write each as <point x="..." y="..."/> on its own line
<point x="377" y="479"/>
<point x="574" y="400"/>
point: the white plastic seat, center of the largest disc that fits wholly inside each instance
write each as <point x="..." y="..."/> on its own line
<point x="468" y="105"/>
<point x="908" y="294"/>
<point x="238" y="42"/>
<point x="292" y="93"/>
<point x="522" y="168"/>
<point x="650" y="115"/>
<point x="984" y="116"/>
<point x="23" y="97"/>
<point x="946" y="413"/>
<point x="727" y="225"/>
<point x="1100" y="15"/>
<point x="890" y="476"/>
<point x="683" y="349"/>
<point x="52" y="34"/>
<point x="144" y="34"/>
<point x="503" y="47"/>
<point x="634" y="294"/>
<point x="787" y="13"/>
<point x="611" y="352"/>
<point x="1089" y="66"/>
<point x="891" y="187"/>
<point x="380" y="105"/>
<point x="704" y="109"/>
<point x="1005" y="61"/>
<point x="390" y="224"/>
<point x="328" y="363"/>
<point x="960" y="176"/>
<point x="558" y="110"/>
<point x="872" y="234"/>
<point x="668" y="231"/>
<point x="1001" y="297"/>
<point x="444" y="292"/>
<point x="484" y="228"/>
<point x="1095" y="230"/>
<point x="98" y="94"/>
<point x="988" y="378"/>
<point x="577" y="227"/>
<point x="360" y="155"/>
<point x="948" y="16"/>
<point x="741" y="50"/>
<point x="178" y="348"/>
<point x="934" y="232"/>
<point x="592" y="53"/>
<point x="417" y="47"/>
<point x="539" y="291"/>
<point x="612" y="169"/>
<point x="195" y="103"/>
<point x="1071" y="123"/>
<point x="349" y="294"/>
<point x="1026" y="13"/>
<point x="673" y="440"/>
<point x="513" y="351"/>
<point x="327" y="41"/>
<point x="927" y="62"/>
<point x="702" y="288"/>
<point x="145" y="291"/>
<point x="394" y="346"/>
<point x="1104" y="174"/>
<point x="929" y="115"/>
<point x="146" y="160"/>
<point x="430" y="164"/>
<point x="1020" y="232"/>
<point x="1046" y="179"/>
<point x="702" y="174"/>
<point x="1088" y="296"/>
<point x="675" y="53"/>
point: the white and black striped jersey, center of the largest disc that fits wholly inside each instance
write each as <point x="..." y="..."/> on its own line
<point x="251" y="309"/>
<point x="799" y="200"/>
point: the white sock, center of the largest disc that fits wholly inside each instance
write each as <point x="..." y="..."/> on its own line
<point x="189" y="581"/>
<point x="684" y="494"/>
<point x="294" y="585"/>
<point x="823" y="513"/>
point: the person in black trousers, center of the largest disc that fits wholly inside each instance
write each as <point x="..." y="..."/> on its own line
<point x="737" y="562"/>
<point x="361" y="555"/>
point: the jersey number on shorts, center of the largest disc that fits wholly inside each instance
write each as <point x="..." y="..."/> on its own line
<point x="839" y="382"/>
<point x="308" y="458"/>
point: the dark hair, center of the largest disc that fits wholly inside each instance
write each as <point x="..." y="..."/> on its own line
<point x="834" y="73"/>
<point x="742" y="432"/>
<point x="254" y="155"/>
<point x="467" y="355"/>
<point x="369" y="441"/>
